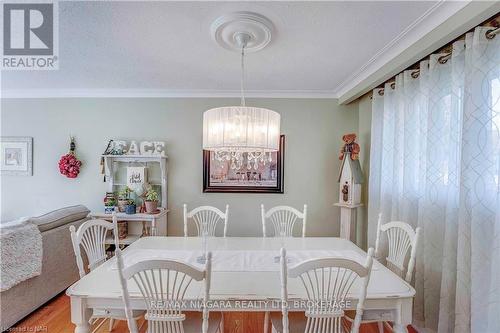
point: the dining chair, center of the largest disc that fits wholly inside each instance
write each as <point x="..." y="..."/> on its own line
<point x="327" y="282"/>
<point x="91" y="238"/>
<point x="163" y="285"/>
<point x="283" y="219"/>
<point x="401" y="239"/>
<point x="206" y="217"/>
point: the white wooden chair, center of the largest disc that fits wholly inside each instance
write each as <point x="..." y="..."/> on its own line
<point x="163" y="285"/>
<point x="91" y="237"/>
<point x="283" y="219"/>
<point x="206" y="217"/>
<point x="401" y="239"/>
<point x="327" y="282"/>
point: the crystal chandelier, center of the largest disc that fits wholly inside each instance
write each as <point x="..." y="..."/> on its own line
<point x="243" y="135"/>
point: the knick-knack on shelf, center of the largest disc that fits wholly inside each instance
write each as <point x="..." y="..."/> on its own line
<point x="109" y="203"/>
<point x="350" y="146"/>
<point x="133" y="148"/>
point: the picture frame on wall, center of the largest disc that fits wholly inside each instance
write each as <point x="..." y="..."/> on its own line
<point x="16" y="156"/>
<point x="219" y="177"/>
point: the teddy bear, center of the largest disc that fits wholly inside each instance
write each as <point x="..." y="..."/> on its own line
<point x="349" y="146"/>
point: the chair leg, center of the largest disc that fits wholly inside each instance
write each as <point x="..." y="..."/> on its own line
<point x="380" y="326"/>
<point x="221" y="325"/>
<point x="103" y="320"/>
<point x="111" y="323"/>
<point x="266" y="322"/>
<point x="142" y="324"/>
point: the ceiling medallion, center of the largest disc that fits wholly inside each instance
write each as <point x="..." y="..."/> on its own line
<point x="226" y="28"/>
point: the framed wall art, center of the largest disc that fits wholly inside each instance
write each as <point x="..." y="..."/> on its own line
<point x="16" y="156"/>
<point x="136" y="176"/>
<point x="226" y="176"/>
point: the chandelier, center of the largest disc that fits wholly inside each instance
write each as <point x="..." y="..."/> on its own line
<point x="242" y="135"/>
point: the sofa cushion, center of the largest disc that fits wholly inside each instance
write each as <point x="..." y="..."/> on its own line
<point x="60" y="217"/>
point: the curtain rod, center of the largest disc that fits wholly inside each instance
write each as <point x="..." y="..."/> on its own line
<point x="490" y="34"/>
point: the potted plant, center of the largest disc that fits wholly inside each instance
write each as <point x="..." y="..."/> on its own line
<point x="123" y="198"/>
<point x="130" y="207"/>
<point x="109" y="203"/>
<point x="151" y="201"/>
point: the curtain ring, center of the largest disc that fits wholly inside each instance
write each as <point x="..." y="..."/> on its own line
<point x="381" y="92"/>
<point x="415" y="74"/>
<point x="490" y="34"/>
<point x="393" y="85"/>
<point x="443" y="59"/>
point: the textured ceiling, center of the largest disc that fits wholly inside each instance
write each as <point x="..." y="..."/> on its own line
<point x="167" y="45"/>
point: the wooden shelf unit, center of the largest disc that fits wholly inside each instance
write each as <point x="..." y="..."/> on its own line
<point x="111" y="160"/>
<point x="157" y="221"/>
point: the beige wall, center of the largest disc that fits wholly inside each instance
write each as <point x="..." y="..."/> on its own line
<point x="313" y="129"/>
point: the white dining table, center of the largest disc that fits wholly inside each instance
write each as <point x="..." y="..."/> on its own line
<point x="245" y="277"/>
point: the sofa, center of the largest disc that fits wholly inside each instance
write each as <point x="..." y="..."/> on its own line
<point x="59" y="268"/>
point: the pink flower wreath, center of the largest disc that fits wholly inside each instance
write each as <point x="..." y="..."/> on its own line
<point x="69" y="165"/>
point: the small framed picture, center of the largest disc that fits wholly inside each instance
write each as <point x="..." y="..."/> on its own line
<point x="136" y="177"/>
<point x="16" y="156"/>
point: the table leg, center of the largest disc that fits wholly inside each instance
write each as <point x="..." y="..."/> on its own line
<point x="266" y="322"/>
<point x="153" y="228"/>
<point x="80" y="315"/>
<point x="402" y="316"/>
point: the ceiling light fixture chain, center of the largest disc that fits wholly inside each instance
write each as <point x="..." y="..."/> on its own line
<point x="242" y="83"/>
<point x="242" y="38"/>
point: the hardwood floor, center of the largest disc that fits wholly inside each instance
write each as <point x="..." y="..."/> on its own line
<point x="54" y="317"/>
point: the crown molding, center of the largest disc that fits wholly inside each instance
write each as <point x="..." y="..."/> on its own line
<point x="394" y="44"/>
<point x="439" y="25"/>
<point x="161" y="93"/>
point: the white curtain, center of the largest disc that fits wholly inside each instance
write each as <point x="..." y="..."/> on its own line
<point x="435" y="163"/>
